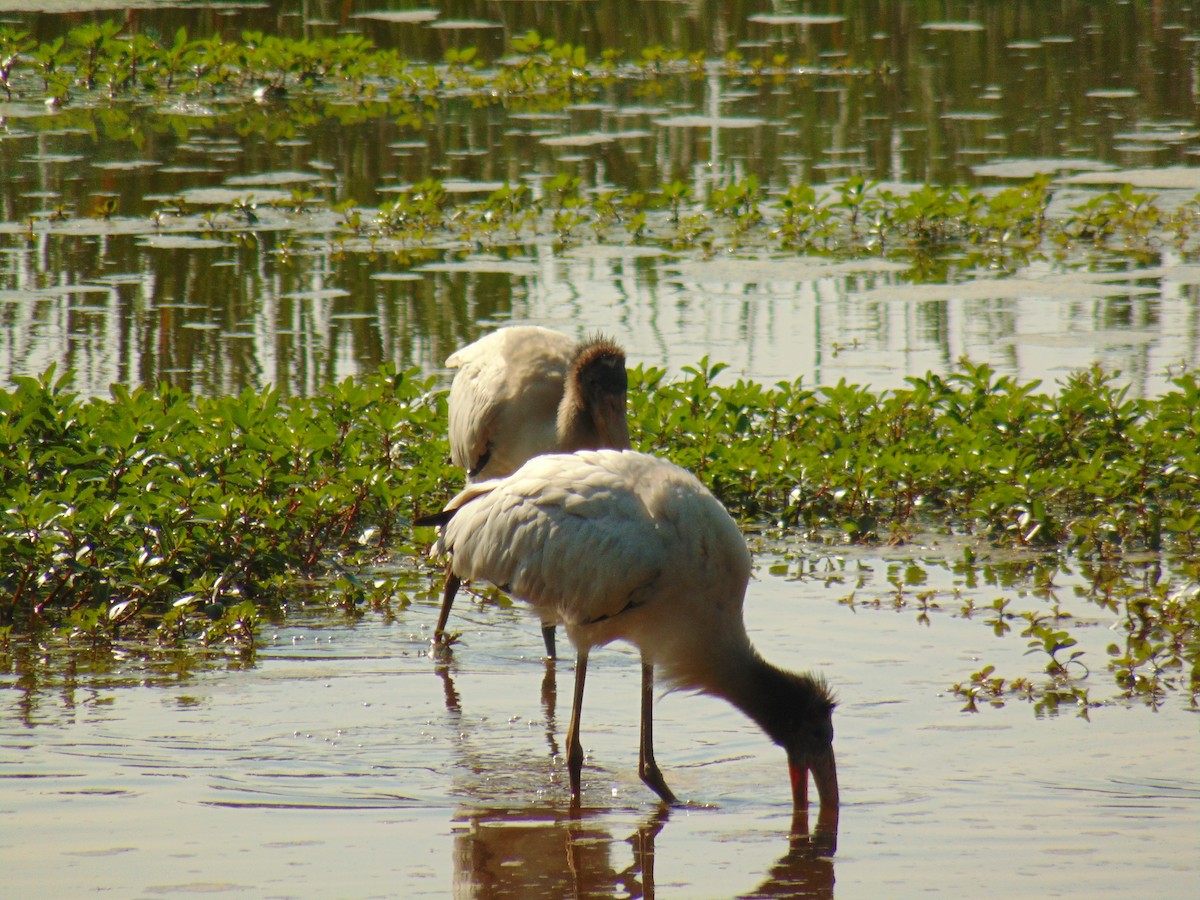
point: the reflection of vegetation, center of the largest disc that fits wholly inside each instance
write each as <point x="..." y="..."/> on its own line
<point x="187" y="518"/>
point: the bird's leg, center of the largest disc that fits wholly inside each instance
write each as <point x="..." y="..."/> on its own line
<point x="548" y="638"/>
<point x="448" y="592"/>
<point x="647" y="767"/>
<point x="574" y="748"/>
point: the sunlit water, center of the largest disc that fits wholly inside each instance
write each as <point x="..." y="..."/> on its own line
<point x="1094" y="94"/>
<point x="346" y="762"/>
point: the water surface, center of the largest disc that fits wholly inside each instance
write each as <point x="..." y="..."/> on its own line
<point x="347" y="762"/>
<point x="1092" y="94"/>
<point x="339" y="759"/>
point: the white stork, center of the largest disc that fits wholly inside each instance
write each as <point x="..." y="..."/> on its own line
<point x="624" y="545"/>
<point x="523" y="391"/>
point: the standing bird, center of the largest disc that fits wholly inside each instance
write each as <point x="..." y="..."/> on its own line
<point x="623" y="545"/>
<point x="524" y="391"/>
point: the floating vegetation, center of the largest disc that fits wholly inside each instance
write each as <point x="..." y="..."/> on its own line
<point x="187" y="518"/>
<point x="939" y="235"/>
<point x="103" y="79"/>
<point x="107" y="61"/>
<point x="1134" y="617"/>
<point x="160" y="520"/>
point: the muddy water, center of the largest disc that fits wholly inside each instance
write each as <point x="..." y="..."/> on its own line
<point x="346" y="762"/>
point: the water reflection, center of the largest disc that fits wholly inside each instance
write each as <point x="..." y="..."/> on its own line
<point x="444" y="667"/>
<point x="546" y="852"/>
<point x="49" y="682"/>
<point x="908" y="92"/>
<point x="357" y="766"/>
<point x="565" y="850"/>
<point x="453" y="701"/>
<point x="217" y="320"/>
<point x="806" y="870"/>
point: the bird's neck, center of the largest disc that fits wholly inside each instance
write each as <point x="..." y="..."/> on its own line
<point x="576" y="427"/>
<point x="758" y="688"/>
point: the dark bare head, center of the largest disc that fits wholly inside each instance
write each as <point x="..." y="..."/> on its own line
<point x="795" y="709"/>
<point x="592" y="414"/>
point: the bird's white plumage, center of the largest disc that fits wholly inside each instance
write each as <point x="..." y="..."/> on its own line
<point x="615" y="545"/>
<point x="622" y="545"/>
<point x="504" y="398"/>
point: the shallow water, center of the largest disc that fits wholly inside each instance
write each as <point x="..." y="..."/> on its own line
<point x="340" y="760"/>
<point x="347" y="762"/>
<point x="1095" y="94"/>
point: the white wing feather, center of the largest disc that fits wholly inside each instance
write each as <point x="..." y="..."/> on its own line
<point x="504" y="398"/>
<point x="589" y="535"/>
<point x="566" y="536"/>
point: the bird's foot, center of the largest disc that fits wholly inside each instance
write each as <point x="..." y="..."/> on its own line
<point x="653" y="779"/>
<point x="440" y="644"/>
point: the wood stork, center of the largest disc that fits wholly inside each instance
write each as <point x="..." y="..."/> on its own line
<point x="627" y="546"/>
<point x="523" y="391"/>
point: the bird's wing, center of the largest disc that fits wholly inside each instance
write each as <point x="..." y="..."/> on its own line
<point x="563" y="533"/>
<point x="504" y="398"/>
<point x="473" y="409"/>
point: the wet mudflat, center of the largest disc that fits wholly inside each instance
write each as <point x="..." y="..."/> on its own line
<point x="348" y="762"/>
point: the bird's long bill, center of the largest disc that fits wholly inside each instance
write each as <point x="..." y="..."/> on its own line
<point x="824" y="773"/>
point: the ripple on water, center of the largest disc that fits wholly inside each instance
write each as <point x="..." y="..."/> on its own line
<point x="324" y="754"/>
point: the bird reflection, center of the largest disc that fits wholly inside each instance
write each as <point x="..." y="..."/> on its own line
<point x="806" y="870"/>
<point x="555" y="851"/>
<point x="549" y="852"/>
<point x="444" y="667"/>
<point x="441" y="668"/>
<point x="549" y="704"/>
<point x="544" y="852"/>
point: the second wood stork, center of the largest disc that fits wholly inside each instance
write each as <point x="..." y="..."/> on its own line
<point x="523" y="391"/>
<point x="627" y="546"/>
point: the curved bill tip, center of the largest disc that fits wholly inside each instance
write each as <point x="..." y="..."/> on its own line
<point x="824" y="775"/>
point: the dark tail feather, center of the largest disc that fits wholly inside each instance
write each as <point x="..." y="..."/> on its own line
<point x="437" y="519"/>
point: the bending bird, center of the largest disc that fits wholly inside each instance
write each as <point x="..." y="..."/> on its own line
<point x="627" y="546"/>
<point x="523" y="391"/>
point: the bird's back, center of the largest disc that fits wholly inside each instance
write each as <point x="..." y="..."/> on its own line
<point x="504" y="398"/>
<point x="616" y="545"/>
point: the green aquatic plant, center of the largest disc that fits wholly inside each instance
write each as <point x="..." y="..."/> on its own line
<point x="300" y="82"/>
<point x="936" y="234"/>
<point x="673" y="195"/>
<point x="1122" y="213"/>
<point x="13" y="44"/>
<point x="805" y="218"/>
<point x="159" y="504"/>
<point x="155" y="512"/>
